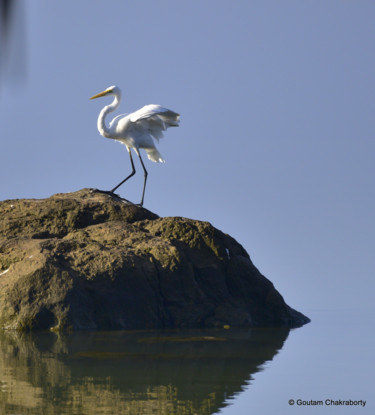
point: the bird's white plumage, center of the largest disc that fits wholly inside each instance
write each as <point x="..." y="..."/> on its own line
<point x="137" y="130"/>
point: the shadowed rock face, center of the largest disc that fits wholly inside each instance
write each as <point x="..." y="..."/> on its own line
<point x="88" y="260"/>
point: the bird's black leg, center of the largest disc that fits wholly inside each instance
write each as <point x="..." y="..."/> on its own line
<point x="130" y="175"/>
<point x="144" y="183"/>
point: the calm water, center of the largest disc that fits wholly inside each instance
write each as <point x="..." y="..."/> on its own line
<point x="190" y="372"/>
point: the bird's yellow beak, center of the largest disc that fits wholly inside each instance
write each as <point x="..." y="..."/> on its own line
<point x="101" y="94"/>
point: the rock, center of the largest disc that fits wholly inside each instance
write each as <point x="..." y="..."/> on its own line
<point x="89" y="260"/>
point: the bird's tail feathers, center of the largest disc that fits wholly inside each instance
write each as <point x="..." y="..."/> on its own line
<point x="154" y="155"/>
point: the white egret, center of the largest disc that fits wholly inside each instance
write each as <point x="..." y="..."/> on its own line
<point x="137" y="130"/>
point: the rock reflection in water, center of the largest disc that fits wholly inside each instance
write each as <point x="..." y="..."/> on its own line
<point x="175" y="372"/>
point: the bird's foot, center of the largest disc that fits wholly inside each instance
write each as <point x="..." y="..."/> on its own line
<point x="115" y="196"/>
<point x="109" y="193"/>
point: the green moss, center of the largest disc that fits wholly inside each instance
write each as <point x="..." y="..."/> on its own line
<point x="7" y="260"/>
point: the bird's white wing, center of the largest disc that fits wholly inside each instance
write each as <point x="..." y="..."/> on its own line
<point x="115" y="120"/>
<point x="155" y="119"/>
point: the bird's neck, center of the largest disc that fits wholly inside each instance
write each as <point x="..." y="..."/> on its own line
<point x="102" y="127"/>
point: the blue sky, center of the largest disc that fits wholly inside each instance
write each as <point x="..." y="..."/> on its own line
<point x="276" y="143"/>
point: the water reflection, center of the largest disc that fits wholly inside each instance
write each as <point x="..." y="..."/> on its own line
<point x="179" y="372"/>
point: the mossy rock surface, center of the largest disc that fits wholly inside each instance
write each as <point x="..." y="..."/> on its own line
<point x="89" y="260"/>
